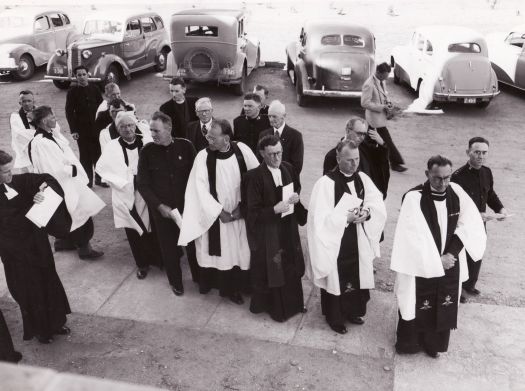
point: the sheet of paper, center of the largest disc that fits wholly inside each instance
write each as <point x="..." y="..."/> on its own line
<point x="346" y="203"/>
<point x="176" y="216"/>
<point x="287" y="193"/>
<point x="41" y="213"/>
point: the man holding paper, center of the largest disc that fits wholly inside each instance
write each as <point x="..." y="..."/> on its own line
<point x="437" y="222"/>
<point x="476" y="179"/>
<point x="274" y="212"/>
<point x="163" y="170"/>
<point x="26" y="254"/>
<point x="213" y="215"/>
<point x="118" y="167"/>
<point x="346" y="217"/>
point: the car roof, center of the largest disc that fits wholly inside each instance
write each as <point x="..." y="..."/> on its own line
<point x="30" y="12"/>
<point x="444" y="35"/>
<point x="121" y="15"/>
<point x="332" y="25"/>
<point x="236" y="13"/>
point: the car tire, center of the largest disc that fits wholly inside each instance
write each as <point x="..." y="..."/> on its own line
<point x="62" y="84"/>
<point x="202" y="75"/>
<point x="162" y="60"/>
<point x="26" y="68"/>
<point x="112" y="75"/>
<point x="300" y="98"/>
<point x="483" y="104"/>
<point x="397" y="78"/>
<point x="239" y="89"/>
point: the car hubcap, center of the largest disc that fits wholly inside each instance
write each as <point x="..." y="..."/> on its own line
<point x="23" y="66"/>
<point x="162" y="59"/>
<point x="111" y="77"/>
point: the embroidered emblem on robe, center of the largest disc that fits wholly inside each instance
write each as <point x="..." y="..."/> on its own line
<point x="349" y="288"/>
<point x="426" y="305"/>
<point x="447" y="301"/>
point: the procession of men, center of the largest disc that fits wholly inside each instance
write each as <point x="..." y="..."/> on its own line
<point x="226" y="197"/>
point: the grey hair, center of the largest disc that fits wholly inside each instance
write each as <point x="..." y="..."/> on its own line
<point x="122" y="115"/>
<point x="202" y="101"/>
<point x="277" y="105"/>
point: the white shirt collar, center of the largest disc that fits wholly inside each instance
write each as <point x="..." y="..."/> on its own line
<point x="280" y="129"/>
<point x="276" y="175"/>
<point x="207" y="124"/>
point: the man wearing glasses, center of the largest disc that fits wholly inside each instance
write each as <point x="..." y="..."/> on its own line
<point x="197" y="130"/>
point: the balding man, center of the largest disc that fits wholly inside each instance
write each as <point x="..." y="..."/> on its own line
<point x="103" y="116"/>
<point x="181" y="108"/>
<point x="197" y="130"/>
<point x="291" y="139"/>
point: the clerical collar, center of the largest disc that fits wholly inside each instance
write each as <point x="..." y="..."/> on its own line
<point x="473" y="168"/>
<point x="276" y="175"/>
<point x="279" y="129"/>
<point x="437" y="195"/>
<point x="254" y="118"/>
<point x="347" y="175"/>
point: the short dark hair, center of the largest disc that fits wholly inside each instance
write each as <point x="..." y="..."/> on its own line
<point x="160" y="116"/>
<point x="346" y="143"/>
<point x="5" y="158"/>
<point x="438" y="160"/>
<point x="477" y="139"/>
<point x="252" y="96"/>
<point x="79" y="67"/>
<point x="26" y="92"/>
<point x="116" y="103"/>
<point x="224" y="125"/>
<point x="267" y="141"/>
<point x="259" y="87"/>
<point x="178" y="81"/>
<point x="40" y="113"/>
<point x="383" y="67"/>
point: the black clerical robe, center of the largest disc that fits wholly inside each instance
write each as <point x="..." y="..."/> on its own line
<point x="277" y="262"/>
<point x="28" y="260"/>
<point x="7" y="350"/>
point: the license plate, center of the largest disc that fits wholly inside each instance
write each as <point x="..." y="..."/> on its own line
<point x="58" y="70"/>
<point x="470" y="100"/>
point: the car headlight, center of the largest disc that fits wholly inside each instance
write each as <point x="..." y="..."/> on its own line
<point x="86" y="54"/>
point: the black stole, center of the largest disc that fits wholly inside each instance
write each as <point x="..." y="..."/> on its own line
<point x="44" y="134"/>
<point x="214" y="234"/>
<point x="125" y="146"/>
<point x="113" y="132"/>
<point x="23" y="116"/>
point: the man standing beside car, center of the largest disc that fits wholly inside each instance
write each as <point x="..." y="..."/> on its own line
<point x="374" y="100"/>
<point x="181" y="109"/>
<point x="82" y="102"/>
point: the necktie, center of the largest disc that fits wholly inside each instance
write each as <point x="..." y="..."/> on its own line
<point x="276" y="133"/>
<point x="204" y="131"/>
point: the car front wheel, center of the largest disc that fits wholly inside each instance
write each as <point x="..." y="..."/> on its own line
<point x="26" y="68"/>
<point x="112" y="75"/>
<point x="299" y="96"/>
<point x="161" y="61"/>
<point x="239" y="89"/>
<point x="62" y="84"/>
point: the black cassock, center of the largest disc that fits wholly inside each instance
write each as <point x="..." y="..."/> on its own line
<point x="277" y="263"/>
<point x="28" y="260"/>
<point x="352" y="301"/>
<point x="7" y="350"/>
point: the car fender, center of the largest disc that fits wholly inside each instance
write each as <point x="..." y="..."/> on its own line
<point x="171" y="66"/>
<point x="291" y="53"/>
<point x="16" y="51"/>
<point x="239" y="63"/>
<point x="301" y="74"/>
<point x="103" y="64"/>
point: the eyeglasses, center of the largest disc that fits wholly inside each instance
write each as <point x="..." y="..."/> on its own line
<point x="208" y="111"/>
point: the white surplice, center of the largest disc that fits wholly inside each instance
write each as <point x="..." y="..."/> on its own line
<point x="57" y="160"/>
<point x="113" y="170"/>
<point x="201" y="210"/>
<point x="325" y="229"/>
<point x="104" y="137"/>
<point x="414" y="252"/>
<point x="20" y="138"/>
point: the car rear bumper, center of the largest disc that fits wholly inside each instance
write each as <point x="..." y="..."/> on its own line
<point x="451" y="97"/>
<point x="67" y="78"/>
<point x="333" y="94"/>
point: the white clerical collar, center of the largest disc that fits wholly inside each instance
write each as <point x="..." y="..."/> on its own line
<point x="346" y="175"/>
<point x="276" y="175"/>
<point x="279" y="129"/>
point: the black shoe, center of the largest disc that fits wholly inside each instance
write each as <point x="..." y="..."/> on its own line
<point x="472" y="291"/>
<point x="203" y="290"/>
<point x="142" y="273"/>
<point x="90" y="184"/>
<point x="236" y="298"/>
<point x="356" y="320"/>
<point x="304" y="310"/>
<point x="398" y="168"/>
<point x="63" y="245"/>
<point x="16" y="357"/>
<point x="338" y="328"/>
<point x="101" y="184"/>
<point x="413" y="350"/>
<point x="44" y="340"/>
<point x="87" y="253"/>
<point x="64" y="330"/>
<point x="431" y="353"/>
<point x="462" y="299"/>
<point x="178" y="291"/>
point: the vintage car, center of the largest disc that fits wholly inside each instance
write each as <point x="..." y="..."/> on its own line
<point x="211" y="45"/>
<point x="30" y="37"/>
<point x="446" y="64"/>
<point x="332" y="58"/>
<point x="507" y="55"/>
<point x="113" y="47"/>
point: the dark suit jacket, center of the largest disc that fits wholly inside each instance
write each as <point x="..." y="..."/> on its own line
<point x="194" y="134"/>
<point x="293" y="147"/>
<point x="179" y="125"/>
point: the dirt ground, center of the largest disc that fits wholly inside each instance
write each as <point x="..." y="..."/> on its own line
<point x="152" y="346"/>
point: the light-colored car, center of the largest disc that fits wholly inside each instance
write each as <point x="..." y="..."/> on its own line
<point x="331" y="58"/>
<point x="507" y="54"/>
<point x="212" y="45"/>
<point x="113" y="47"/>
<point x="29" y="37"/>
<point x="450" y="62"/>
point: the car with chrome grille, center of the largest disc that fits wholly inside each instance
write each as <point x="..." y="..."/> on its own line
<point x="30" y="37"/>
<point x="447" y="64"/>
<point x="211" y="45"/>
<point x="331" y="58"/>
<point x="112" y="48"/>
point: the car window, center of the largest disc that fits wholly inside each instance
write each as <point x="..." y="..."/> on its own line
<point x="102" y="27"/>
<point x="241" y="28"/>
<point x="354" y="41"/>
<point x="133" y="28"/>
<point x="467" y="47"/>
<point x="202" y="31"/>
<point x="148" y="25"/>
<point x="159" y="22"/>
<point x="331" y="40"/>
<point x="41" y="23"/>
<point x="516" y="39"/>
<point x="429" y="49"/>
<point x="56" y="20"/>
<point x="65" y="19"/>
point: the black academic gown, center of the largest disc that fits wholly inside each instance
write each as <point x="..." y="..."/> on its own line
<point x="28" y="260"/>
<point x="277" y="262"/>
<point x="436" y="298"/>
<point x="7" y="350"/>
<point x="352" y="301"/>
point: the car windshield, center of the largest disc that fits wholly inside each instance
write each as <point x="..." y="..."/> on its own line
<point x="13" y="23"/>
<point x="107" y="28"/>
<point x="467" y="47"/>
<point x="348" y="40"/>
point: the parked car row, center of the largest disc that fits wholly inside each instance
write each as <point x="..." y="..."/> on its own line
<point x="331" y="58"/>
